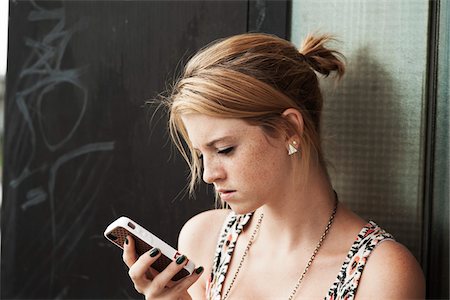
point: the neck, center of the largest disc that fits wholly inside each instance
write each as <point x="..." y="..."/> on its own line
<point x="299" y="217"/>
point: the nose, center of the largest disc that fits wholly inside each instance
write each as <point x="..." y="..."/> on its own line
<point x="212" y="171"/>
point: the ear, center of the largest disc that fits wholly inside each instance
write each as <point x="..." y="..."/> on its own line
<point x="295" y="118"/>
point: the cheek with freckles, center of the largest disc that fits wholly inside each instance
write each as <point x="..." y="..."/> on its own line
<point x="263" y="168"/>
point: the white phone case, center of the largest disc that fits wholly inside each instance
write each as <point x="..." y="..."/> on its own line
<point x="144" y="241"/>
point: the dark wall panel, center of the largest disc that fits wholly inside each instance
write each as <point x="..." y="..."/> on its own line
<point x="79" y="146"/>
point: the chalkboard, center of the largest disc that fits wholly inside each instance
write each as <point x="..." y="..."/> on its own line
<point x="81" y="146"/>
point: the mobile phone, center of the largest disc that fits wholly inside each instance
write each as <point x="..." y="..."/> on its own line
<point x="144" y="241"/>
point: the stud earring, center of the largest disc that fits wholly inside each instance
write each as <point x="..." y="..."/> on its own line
<point x="292" y="148"/>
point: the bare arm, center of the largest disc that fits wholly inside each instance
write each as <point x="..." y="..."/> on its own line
<point x="198" y="240"/>
<point x="392" y="272"/>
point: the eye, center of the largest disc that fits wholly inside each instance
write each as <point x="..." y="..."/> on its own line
<point x="226" y="150"/>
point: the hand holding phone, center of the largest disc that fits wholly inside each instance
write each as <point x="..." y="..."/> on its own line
<point x="145" y="241"/>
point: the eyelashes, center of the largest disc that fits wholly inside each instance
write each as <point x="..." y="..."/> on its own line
<point x="224" y="151"/>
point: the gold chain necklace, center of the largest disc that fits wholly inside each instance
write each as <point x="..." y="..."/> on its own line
<point x="311" y="259"/>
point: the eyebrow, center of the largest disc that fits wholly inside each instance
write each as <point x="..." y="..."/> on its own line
<point x="227" y="137"/>
<point x="211" y="143"/>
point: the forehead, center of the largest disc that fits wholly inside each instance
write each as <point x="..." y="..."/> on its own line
<point x="203" y="129"/>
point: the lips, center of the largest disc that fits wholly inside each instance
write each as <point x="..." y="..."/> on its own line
<point x="226" y="194"/>
<point x="224" y="191"/>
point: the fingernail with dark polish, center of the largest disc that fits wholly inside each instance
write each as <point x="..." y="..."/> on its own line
<point x="199" y="270"/>
<point x="126" y="240"/>
<point x="154" y="252"/>
<point x="181" y="259"/>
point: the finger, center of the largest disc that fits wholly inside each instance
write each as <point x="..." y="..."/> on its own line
<point x="139" y="270"/>
<point x="190" y="280"/>
<point x="151" y="273"/>
<point x="165" y="277"/>
<point x="129" y="255"/>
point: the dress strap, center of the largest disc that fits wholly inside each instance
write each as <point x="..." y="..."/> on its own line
<point x="348" y="279"/>
<point x="228" y="236"/>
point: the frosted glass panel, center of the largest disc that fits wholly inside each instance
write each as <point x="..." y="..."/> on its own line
<point x="373" y="120"/>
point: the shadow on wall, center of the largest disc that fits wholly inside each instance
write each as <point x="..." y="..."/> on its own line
<point x="2" y="117"/>
<point x="373" y="162"/>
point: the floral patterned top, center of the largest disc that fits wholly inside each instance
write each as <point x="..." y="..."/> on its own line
<point x="346" y="283"/>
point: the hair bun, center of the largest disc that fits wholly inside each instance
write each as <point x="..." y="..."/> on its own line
<point x="321" y="58"/>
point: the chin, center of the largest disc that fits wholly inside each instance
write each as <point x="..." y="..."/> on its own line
<point x="241" y="209"/>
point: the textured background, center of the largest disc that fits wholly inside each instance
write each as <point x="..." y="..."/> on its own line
<point x="374" y="118"/>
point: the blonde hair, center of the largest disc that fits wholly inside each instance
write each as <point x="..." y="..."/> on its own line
<point x="255" y="77"/>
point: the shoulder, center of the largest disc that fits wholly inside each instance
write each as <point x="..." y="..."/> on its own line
<point x="197" y="240"/>
<point x="199" y="235"/>
<point x="391" y="272"/>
